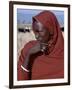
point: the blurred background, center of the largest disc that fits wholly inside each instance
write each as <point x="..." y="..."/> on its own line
<point x="24" y="25"/>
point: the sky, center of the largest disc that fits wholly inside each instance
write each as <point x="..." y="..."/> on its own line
<point x="25" y="15"/>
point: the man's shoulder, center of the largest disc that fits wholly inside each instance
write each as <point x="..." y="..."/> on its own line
<point x="29" y="45"/>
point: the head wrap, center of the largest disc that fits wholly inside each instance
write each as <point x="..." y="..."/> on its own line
<point x="50" y="22"/>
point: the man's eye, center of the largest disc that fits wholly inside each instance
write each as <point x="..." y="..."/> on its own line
<point x="36" y="31"/>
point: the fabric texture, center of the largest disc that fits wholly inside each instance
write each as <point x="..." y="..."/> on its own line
<point x="43" y="66"/>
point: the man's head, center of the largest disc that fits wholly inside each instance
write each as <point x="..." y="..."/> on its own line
<point x="41" y="33"/>
<point x="47" y="30"/>
<point x="47" y="26"/>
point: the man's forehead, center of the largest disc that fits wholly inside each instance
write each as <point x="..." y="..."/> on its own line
<point x="38" y="24"/>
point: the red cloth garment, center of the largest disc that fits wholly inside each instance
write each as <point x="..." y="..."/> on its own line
<point x="43" y="66"/>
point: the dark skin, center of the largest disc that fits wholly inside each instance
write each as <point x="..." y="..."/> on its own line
<point x="42" y="36"/>
<point x="41" y="33"/>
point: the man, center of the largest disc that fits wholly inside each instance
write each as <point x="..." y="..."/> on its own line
<point x="43" y="58"/>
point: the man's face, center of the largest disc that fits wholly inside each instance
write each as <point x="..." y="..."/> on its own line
<point x="41" y="33"/>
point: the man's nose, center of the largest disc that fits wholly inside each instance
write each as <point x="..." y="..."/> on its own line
<point x="37" y="36"/>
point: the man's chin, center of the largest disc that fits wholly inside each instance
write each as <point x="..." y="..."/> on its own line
<point x="39" y="41"/>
